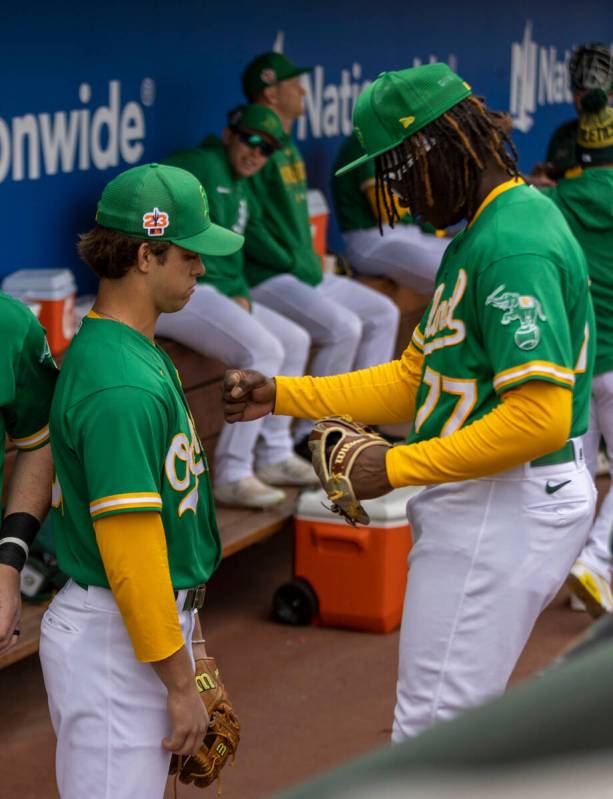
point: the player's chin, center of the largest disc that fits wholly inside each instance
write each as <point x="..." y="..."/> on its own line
<point x="174" y="305"/>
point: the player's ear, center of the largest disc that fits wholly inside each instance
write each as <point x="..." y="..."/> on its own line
<point x="270" y="95"/>
<point x="226" y="136"/>
<point x="144" y="258"/>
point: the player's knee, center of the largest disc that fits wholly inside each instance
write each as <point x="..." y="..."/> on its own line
<point x="266" y="354"/>
<point x="386" y="314"/>
<point x="347" y="326"/>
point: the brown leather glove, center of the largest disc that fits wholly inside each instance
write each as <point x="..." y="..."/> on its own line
<point x="222" y="736"/>
<point x="335" y="443"/>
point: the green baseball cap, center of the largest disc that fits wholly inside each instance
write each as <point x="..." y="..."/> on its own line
<point x="398" y="104"/>
<point x="164" y="203"/>
<point x="266" y="70"/>
<point x="258" y="119"/>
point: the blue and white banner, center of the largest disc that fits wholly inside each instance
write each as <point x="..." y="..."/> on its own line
<point x="89" y="92"/>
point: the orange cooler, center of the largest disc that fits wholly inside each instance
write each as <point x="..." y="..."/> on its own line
<point x="319" y="214"/>
<point x="358" y="573"/>
<point x="54" y="290"/>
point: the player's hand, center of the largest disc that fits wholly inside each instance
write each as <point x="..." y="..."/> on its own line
<point x="369" y="474"/>
<point x="247" y="395"/>
<point x="10" y="606"/>
<point x="188" y="719"/>
<point x="541" y="175"/>
<point x="243" y="302"/>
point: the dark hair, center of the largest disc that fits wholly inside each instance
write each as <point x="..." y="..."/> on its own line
<point x="460" y="141"/>
<point x="111" y="254"/>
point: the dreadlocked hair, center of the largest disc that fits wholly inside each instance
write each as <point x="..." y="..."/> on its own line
<point x="462" y="139"/>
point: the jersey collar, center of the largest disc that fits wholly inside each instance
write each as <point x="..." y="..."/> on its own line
<point x="508" y="184"/>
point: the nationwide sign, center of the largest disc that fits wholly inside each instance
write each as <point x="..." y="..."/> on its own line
<point x="100" y="137"/>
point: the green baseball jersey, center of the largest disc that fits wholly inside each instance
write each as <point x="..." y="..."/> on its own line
<point x="278" y="237"/>
<point x="511" y="304"/>
<point x="353" y="211"/>
<point x="124" y="441"/>
<point x="228" y="207"/>
<point x="28" y="379"/>
<point x="585" y="201"/>
<point x="561" y="150"/>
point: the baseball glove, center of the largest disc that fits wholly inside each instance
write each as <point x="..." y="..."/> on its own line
<point x="222" y="736"/>
<point x="335" y="443"/>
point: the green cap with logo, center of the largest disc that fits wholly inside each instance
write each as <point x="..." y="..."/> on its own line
<point x="164" y="203"/>
<point x="266" y="70"/>
<point x="256" y="118"/>
<point x="398" y="104"/>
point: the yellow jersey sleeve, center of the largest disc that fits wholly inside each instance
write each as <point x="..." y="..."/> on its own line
<point x="133" y="550"/>
<point x="531" y="420"/>
<point x="383" y="394"/>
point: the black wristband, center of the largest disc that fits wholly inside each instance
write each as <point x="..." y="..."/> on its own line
<point x="17" y="533"/>
<point x="20" y="525"/>
<point x="12" y="555"/>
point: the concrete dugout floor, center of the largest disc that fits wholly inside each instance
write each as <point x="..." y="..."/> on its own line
<point x="308" y="698"/>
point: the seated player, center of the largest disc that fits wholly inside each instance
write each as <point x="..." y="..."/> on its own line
<point x="408" y="254"/>
<point x="590" y="67"/>
<point x="351" y="325"/>
<point x="585" y="201"/>
<point x="222" y="320"/>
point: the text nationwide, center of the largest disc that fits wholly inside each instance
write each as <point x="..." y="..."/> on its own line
<point x="99" y="137"/>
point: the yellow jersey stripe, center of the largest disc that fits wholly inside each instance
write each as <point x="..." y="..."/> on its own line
<point x="508" y="184"/>
<point x="534" y="369"/>
<point x="34" y="440"/>
<point x="417" y="339"/>
<point x="117" y="501"/>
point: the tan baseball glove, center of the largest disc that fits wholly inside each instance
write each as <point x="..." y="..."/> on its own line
<point x="335" y="443"/>
<point x="222" y="736"/>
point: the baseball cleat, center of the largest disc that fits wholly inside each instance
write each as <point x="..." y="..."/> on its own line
<point x="294" y="471"/>
<point x="248" y="492"/>
<point x="593" y="589"/>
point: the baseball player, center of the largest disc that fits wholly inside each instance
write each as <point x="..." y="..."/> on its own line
<point x="134" y="519"/>
<point x="406" y="253"/>
<point x="351" y="325"/>
<point x="28" y="379"/>
<point x="496" y="382"/>
<point x="585" y="201"/>
<point x="222" y="321"/>
<point x="590" y="67"/>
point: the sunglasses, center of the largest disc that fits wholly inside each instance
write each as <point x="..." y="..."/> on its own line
<point x="253" y="141"/>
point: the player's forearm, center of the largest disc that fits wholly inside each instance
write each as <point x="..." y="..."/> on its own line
<point x="261" y="246"/>
<point x="176" y="671"/>
<point x="383" y="394"/>
<point x="135" y="557"/>
<point x="30" y="488"/>
<point x="531" y="421"/>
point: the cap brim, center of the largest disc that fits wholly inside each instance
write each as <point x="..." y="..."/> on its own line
<point x="364" y="158"/>
<point x="215" y="240"/>
<point x="298" y="71"/>
<point x="276" y="143"/>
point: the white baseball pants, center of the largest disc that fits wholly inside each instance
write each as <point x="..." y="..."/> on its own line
<point x="108" y="710"/>
<point x="404" y="253"/>
<point x="215" y="325"/>
<point x="352" y="326"/>
<point x="488" y="556"/>
<point x="597" y="552"/>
